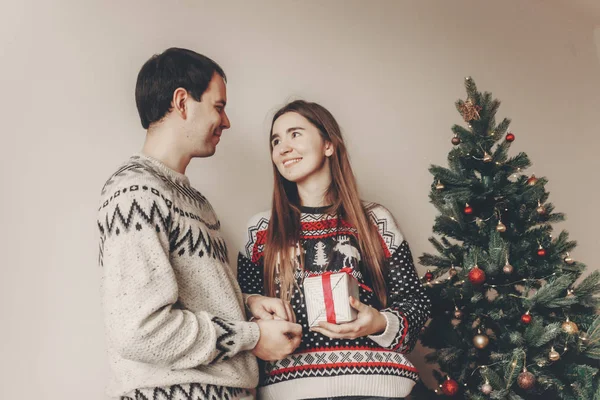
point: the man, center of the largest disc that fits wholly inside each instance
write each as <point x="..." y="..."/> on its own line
<point x="173" y="311"/>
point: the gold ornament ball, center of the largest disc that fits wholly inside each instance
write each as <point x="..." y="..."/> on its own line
<point x="480" y="341"/>
<point x="452" y="272"/>
<point x="553" y="355"/>
<point x="570" y="327"/>
<point x="541" y="210"/>
<point x="568" y="259"/>
<point x="486" y="388"/>
<point x="487" y="158"/>
<point x="501" y="227"/>
<point x="439" y="186"/>
<point x="458" y="314"/>
<point x="526" y="380"/>
<point x="508" y="269"/>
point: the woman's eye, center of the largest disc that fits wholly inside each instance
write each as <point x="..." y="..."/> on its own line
<point x="275" y="142"/>
<point x="294" y="134"/>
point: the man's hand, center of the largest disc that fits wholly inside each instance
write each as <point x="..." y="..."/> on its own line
<point x="278" y="339"/>
<point x="266" y="308"/>
<point x="368" y="322"/>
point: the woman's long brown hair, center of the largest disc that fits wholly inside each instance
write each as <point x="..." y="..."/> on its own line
<point x="283" y="233"/>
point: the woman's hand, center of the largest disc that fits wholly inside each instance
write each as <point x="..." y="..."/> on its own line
<point x="265" y="308"/>
<point x="368" y="322"/>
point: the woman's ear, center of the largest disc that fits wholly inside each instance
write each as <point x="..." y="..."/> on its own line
<point x="329" y="149"/>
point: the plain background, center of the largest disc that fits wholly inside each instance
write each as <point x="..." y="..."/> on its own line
<point x="389" y="71"/>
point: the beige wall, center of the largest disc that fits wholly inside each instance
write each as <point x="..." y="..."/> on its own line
<point x="390" y="72"/>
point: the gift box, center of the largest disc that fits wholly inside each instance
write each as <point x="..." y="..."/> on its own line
<point x="327" y="297"/>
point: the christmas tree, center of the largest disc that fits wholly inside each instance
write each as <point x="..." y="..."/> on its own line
<point x="511" y="318"/>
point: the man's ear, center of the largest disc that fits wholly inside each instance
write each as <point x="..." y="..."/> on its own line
<point x="180" y="96"/>
<point x="329" y="149"/>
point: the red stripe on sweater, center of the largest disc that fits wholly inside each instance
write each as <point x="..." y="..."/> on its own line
<point x="342" y="365"/>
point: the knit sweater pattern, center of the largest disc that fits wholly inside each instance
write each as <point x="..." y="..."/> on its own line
<point x="173" y="311"/>
<point x="323" y="367"/>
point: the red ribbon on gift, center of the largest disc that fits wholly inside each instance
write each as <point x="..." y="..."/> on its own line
<point x="328" y="290"/>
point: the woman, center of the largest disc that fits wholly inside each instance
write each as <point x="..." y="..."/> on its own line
<point x="317" y="224"/>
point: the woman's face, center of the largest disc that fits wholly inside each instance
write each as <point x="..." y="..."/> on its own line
<point x="298" y="150"/>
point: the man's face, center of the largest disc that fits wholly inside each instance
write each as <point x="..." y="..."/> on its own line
<point x="207" y="118"/>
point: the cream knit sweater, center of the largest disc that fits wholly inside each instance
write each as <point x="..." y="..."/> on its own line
<point x="173" y="310"/>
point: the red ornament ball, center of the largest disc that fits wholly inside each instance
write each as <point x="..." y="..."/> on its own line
<point x="526" y="318"/>
<point x="510" y="137"/>
<point x="450" y="387"/>
<point x="541" y="252"/>
<point x="476" y="276"/>
<point x="428" y="276"/>
<point x="456" y="140"/>
<point x="468" y="210"/>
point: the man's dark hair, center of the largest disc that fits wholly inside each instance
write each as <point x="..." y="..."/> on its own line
<point x="162" y="74"/>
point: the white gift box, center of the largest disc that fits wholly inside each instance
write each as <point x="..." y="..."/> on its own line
<point x="327" y="298"/>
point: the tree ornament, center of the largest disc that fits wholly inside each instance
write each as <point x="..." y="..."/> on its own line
<point x="456" y="140"/>
<point x="568" y="259"/>
<point x="469" y="110"/>
<point x="486" y="388"/>
<point x="570" y="327"/>
<point x="526" y="379"/>
<point x="449" y="387"/>
<point x="541" y="251"/>
<point x="570" y="292"/>
<point x="501" y="227"/>
<point x="510" y="137"/>
<point x="526" y="318"/>
<point x="479" y="222"/>
<point x="458" y="314"/>
<point x="541" y="210"/>
<point x="486" y="157"/>
<point x="452" y="272"/>
<point x="508" y="269"/>
<point x="480" y="340"/>
<point x="553" y="355"/>
<point x="532" y="180"/>
<point x="428" y="276"/>
<point x="468" y="209"/>
<point x="476" y="275"/>
<point x="440" y="186"/>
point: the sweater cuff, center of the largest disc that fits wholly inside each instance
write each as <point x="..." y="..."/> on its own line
<point x="386" y="339"/>
<point x="249" y="335"/>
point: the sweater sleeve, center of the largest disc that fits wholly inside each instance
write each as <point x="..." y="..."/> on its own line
<point x="145" y="320"/>
<point x="408" y="307"/>
<point x="250" y="268"/>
